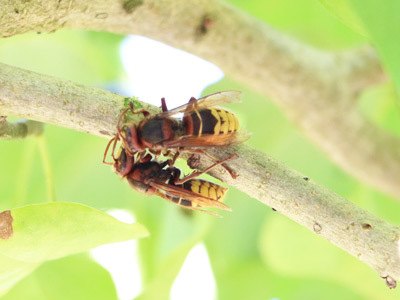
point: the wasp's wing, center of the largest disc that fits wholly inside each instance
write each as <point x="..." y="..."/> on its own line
<point x="208" y="140"/>
<point x="193" y="206"/>
<point x="204" y="102"/>
<point x="218" y="99"/>
<point x="197" y="200"/>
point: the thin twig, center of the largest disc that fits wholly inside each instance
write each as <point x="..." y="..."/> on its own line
<point x="95" y="111"/>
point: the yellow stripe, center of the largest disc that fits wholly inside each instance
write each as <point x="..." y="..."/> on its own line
<point x="195" y="186"/>
<point x="231" y="119"/>
<point x="236" y="123"/>
<point x="220" y="193"/>
<point x="204" y="190"/>
<point x="212" y="193"/>
<point x="217" y="127"/>
<point x="224" y="122"/>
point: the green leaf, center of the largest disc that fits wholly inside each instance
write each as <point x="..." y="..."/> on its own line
<point x="74" y="277"/>
<point x="49" y="231"/>
<point x="12" y="271"/>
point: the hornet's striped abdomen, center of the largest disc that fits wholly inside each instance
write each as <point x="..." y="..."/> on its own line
<point x="203" y="188"/>
<point x="214" y="121"/>
<point x="206" y="189"/>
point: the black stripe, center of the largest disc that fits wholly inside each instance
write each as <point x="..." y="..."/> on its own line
<point x="175" y="199"/>
<point x="209" y="121"/>
<point x="187" y="185"/>
<point x="185" y="202"/>
<point x="196" y="123"/>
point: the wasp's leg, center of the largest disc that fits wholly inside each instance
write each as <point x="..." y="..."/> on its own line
<point x="116" y="139"/>
<point x="198" y="173"/>
<point x="166" y="152"/>
<point x="172" y="161"/>
<point x="194" y="161"/>
<point x="106" y="151"/>
<point x="134" y="110"/>
<point x="144" y="157"/>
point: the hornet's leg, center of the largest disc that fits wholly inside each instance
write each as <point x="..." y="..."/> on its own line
<point x="198" y="173"/>
<point x="194" y="162"/>
<point x="106" y="151"/>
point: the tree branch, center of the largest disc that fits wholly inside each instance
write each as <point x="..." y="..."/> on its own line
<point x="95" y="111"/>
<point x="317" y="89"/>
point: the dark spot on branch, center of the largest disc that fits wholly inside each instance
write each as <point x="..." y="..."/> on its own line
<point x="101" y="15"/>
<point x="306" y="178"/>
<point x="317" y="227"/>
<point x="206" y="23"/>
<point x="16" y="10"/>
<point x="390" y="282"/>
<point x="130" y="5"/>
<point x="273" y="209"/>
<point x="105" y="132"/>
<point x="366" y="226"/>
<point x="350" y="225"/>
<point x="6" y="222"/>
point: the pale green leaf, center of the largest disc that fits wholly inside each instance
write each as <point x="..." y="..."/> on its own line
<point x="52" y="230"/>
<point x="49" y="231"/>
<point x="74" y="277"/>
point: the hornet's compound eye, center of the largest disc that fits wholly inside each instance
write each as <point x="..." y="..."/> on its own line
<point x="122" y="164"/>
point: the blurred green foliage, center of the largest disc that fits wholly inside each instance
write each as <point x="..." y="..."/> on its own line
<point x="255" y="252"/>
<point x="380" y="22"/>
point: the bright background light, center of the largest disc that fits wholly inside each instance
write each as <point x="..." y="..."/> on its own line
<point x="155" y="70"/>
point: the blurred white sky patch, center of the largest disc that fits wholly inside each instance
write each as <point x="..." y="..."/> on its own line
<point x="196" y="279"/>
<point x="156" y="70"/>
<point x="121" y="260"/>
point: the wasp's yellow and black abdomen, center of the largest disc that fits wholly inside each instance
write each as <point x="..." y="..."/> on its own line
<point x="214" y="121"/>
<point x="206" y="189"/>
<point x="227" y="122"/>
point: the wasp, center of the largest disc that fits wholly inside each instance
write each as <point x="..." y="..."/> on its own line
<point x="150" y="176"/>
<point x="202" y="125"/>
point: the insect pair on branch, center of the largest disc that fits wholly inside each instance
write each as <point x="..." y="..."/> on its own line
<point x="203" y="125"/>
